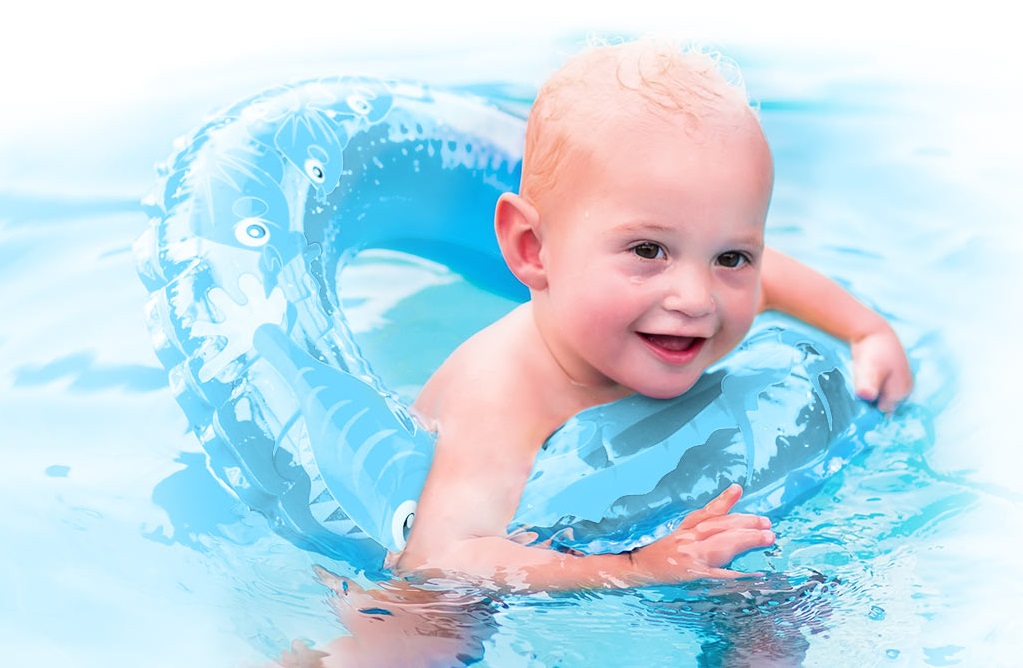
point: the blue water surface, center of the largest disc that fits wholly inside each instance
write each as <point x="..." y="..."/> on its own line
<point x="119" y="548"/>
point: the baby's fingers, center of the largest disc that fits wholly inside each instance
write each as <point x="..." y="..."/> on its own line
<point x="886" y="391"/>
<point x="719" y="505"/>
<point x="894" y="391"/>
<point x="881" y="371"/>
<point x="723" y="523"/>
<point x="867" y="381"/>
<point x="726" y="574"/>
<point x="725" y="546"/>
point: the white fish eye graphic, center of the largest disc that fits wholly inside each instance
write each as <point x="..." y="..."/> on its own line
<point x="252" y="232"/>
<point x="401" y="522"/>
<point x="314" y="170"/>
<point x="359" y="104"/>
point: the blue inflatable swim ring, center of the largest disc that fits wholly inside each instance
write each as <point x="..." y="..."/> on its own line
<point x="253" y="219"/>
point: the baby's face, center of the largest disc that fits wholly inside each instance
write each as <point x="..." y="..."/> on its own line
<point x="652" y="248"/>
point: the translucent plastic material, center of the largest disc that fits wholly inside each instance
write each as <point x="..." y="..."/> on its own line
<point x="254" y="218"/>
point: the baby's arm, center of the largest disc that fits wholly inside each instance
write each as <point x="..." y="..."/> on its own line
<point x="707" y="540"/>
<point x="487" y="442"/>
<point x="881" y="370"/>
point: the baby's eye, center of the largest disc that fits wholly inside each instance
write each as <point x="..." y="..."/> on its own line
<point x="732" y="259"/>
<point x="648" y="250"/>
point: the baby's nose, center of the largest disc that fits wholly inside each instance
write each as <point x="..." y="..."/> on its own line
<point x="690" y="294"/>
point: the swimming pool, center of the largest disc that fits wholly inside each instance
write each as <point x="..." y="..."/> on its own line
<point x="119" y="548"/>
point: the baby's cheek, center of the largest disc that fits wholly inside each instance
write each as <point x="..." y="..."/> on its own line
<point x="733" y="331"/>
<point x="740" y="307"/>
<point x="600" y="304"/>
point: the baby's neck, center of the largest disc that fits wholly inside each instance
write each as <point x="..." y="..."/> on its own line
<point x="560" y="372"/>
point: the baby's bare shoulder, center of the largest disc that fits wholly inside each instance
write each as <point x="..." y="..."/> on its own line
<point x="492" y="383"/>
<point x="492" y="365"/>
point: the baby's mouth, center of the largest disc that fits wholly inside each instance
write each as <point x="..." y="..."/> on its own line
<point x="675" y="344"/>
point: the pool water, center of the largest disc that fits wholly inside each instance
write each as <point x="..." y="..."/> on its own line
<point x="119" y="549"/>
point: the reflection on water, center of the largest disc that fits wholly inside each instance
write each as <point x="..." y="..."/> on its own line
<point x="766" y="622"/>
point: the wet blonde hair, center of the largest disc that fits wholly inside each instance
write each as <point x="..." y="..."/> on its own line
<point x="637" y="79"/>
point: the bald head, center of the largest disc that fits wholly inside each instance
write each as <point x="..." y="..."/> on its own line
<point x="640" y="82"/>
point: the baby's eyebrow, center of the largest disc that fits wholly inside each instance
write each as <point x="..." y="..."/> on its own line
<point x="640" y="226"/>
<point x="752" y="241"/>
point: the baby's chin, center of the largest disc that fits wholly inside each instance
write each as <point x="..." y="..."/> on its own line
<point x="667" y="390"/>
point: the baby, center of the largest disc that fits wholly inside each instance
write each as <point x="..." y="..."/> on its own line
<point x="639" y="231"/>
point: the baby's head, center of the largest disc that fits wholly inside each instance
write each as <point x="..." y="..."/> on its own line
<point x="638" y="82"/>
<point x="639" y="227"/>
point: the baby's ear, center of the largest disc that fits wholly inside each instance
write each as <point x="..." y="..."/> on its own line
<point x="517" y="224"/>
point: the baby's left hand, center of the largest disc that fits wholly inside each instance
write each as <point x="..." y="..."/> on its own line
<point x="881" y="370"/>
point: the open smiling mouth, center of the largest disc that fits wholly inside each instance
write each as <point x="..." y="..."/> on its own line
<point x="674" y="348"/>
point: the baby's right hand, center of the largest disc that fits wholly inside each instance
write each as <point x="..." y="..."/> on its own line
<point x="706" y="540"/>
